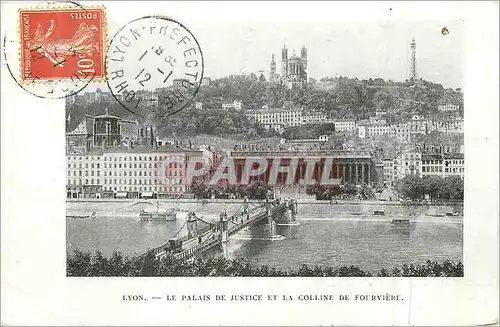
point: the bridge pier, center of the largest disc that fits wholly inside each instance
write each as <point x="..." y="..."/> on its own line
<point x="224" y="236"/>
<point x="192" y="225"/>
<point x="289" y="214"/>
<point x="245" y="205"/>
<point x="293" y="206"/>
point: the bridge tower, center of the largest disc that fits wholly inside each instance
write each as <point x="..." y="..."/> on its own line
<point x="270" y="221"/>
<point x="294" y="209"/>
<point x="224" y="236"/>
<point x="245" y="205"/>
<point x="192" y="225"/>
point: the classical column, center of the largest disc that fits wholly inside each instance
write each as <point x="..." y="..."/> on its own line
<point x="369" y="174"/>
<point x="338" y="171"/>
<point x="343" y="173"/>
<point x="363" y="173"/>
<point x="357" y="178"/>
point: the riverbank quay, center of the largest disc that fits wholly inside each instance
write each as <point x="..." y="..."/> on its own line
<point x="299" y="201"/>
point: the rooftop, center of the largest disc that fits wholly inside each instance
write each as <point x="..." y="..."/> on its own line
<point x="432" y="156"/>
<point x="140" y="149"/>
<point x="453" y="156"/>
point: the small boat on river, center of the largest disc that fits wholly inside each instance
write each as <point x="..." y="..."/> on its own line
<point x="400" y="221"/>
<point x="434" y="213"/>
<point x="379" y="212"/>
<point x="90" y="215"/>
<point x="158" y="214"/>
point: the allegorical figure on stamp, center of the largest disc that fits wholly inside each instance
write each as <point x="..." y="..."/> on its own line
<point x="81" y="43"/>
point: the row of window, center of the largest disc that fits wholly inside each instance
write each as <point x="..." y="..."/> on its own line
<point x="155" y="165"/>
<point x="454" y="162"/>
<point x="119" y="182"/>
<point x="433" y="169"/>
<point x="169" y="173"/>
<point x="431" y="162"/>
<point x="454" y="170"/>
<point x="439" y="169"/>
<point x="141" y="189"/>
<point x="124" y="158"/>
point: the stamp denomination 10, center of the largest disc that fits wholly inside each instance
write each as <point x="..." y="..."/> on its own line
<point x="154" y="62"/>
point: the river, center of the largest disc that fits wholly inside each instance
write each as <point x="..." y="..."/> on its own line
<point x="332" y="235"/>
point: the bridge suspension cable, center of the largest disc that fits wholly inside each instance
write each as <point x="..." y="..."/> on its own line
<point x="177" y="233"/>
<point x="206" y="222"/>
<point x="235" y="211"/>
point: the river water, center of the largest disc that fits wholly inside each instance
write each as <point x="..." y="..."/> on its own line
<point x="327" y="235"/>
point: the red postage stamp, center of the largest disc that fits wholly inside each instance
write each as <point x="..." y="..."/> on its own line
<point x="62" y="43"/>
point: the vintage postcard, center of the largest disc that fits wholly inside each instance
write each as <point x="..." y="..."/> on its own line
<point x="253" y="163"/>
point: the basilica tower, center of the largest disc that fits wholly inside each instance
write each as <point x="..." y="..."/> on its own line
<point x="284" y="61"/>
<point x="303" y="55"/>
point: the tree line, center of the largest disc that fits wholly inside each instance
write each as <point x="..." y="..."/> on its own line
<point x="87" y="264"/>
<point x="253" y="191"/>
<point x="436" y="187"/>
<point x="329" y="192"/>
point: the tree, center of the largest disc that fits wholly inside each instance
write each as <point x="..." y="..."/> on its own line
<point x="148" y="265"/>
<point x="78" y="264"/>
<point x="366" y="192"/>
<point x="100" y="265"/>
<point x="411" y="187"/>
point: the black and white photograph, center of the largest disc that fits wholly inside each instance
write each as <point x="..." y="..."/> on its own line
<point x="319" y="149"/>
<point x="278" y="163"/>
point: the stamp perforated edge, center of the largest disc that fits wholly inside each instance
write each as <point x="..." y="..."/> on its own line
<point x="104" y="45"/>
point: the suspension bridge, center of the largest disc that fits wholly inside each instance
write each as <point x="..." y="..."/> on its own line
<point x="203" y="235"/>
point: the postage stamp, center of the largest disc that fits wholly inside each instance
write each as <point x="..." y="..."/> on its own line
<point x="154" y="60"/>
<point x="54" y="50"/>
<point x="62" y="43"/>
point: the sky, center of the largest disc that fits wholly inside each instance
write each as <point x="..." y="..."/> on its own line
<point x="362" y="48"/>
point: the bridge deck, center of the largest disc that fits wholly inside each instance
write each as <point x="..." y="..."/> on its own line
<point x="212" y="238"/>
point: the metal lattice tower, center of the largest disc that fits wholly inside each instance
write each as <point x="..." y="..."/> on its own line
<point x="413" y="60"/>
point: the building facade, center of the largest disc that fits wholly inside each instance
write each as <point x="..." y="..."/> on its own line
<point x="128" y="172"/>
<point x="352" y="167"/>
<point x="406" y="164"/>
<point x="388" y="171"/>
<point x="314" y="118"/>
<point x="454" y="164"/>
<point x="432" y="164"/>
<point x="448" y="107"/>
<point x="344" y="126"/>
<point x="205" y="81"/>
<point x="276" y="118"/>
<point x="236" y="105"/>
<point x="443" y="165"/>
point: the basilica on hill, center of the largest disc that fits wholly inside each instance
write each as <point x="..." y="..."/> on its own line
<point x="293" y="69"/>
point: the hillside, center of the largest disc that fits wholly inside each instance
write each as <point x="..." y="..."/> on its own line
<point x="340" y="98"/>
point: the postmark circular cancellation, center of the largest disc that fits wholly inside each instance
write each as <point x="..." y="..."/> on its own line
<point x="56" y="51"/>
<point x="154" y="61"/>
